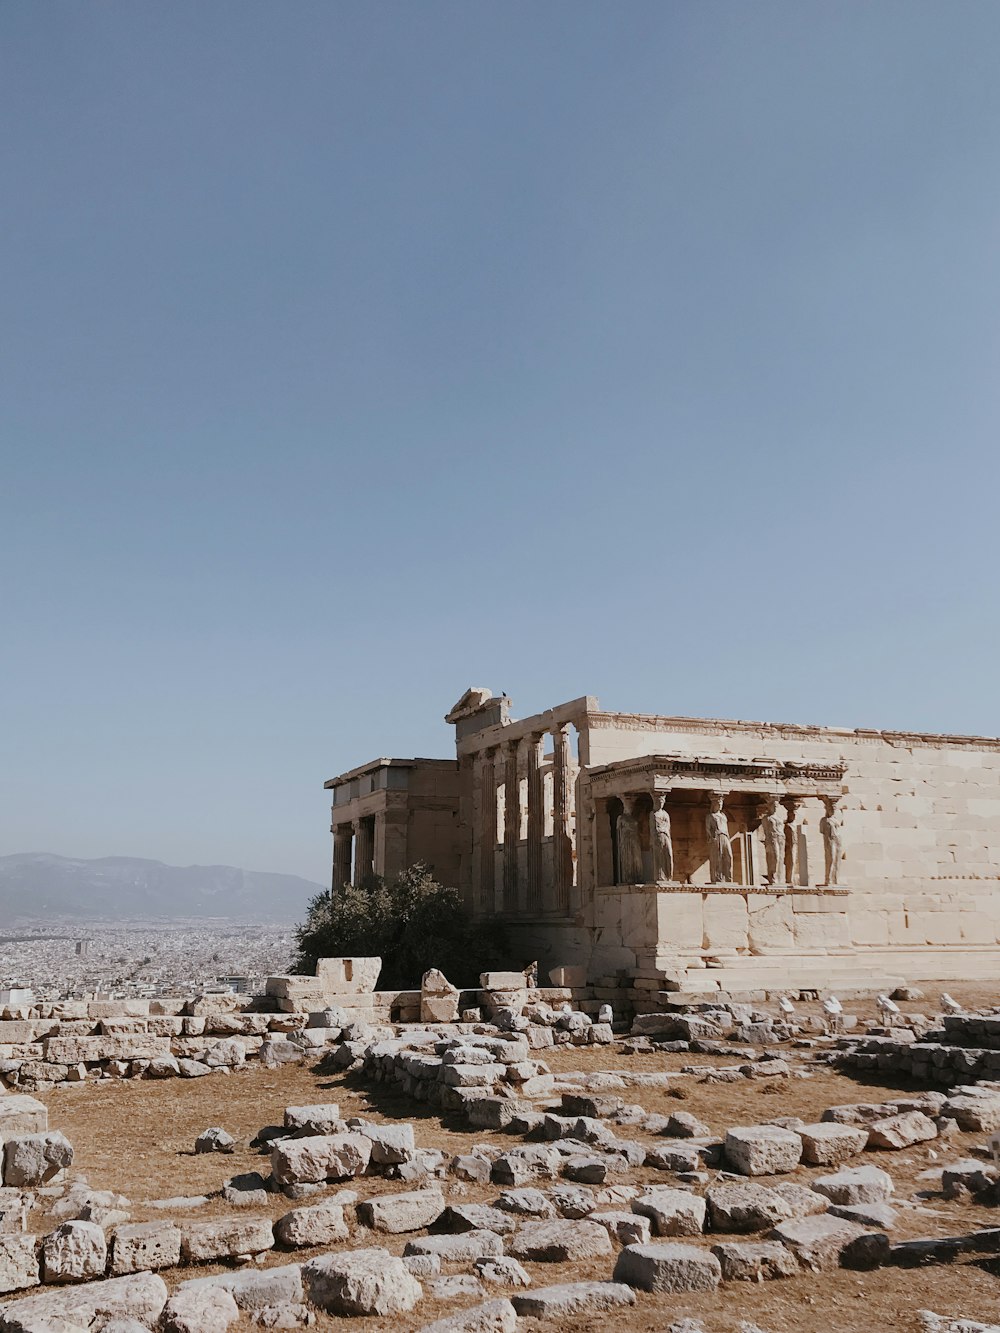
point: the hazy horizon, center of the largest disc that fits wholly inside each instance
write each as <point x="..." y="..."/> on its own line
<point x="353" y="356"/>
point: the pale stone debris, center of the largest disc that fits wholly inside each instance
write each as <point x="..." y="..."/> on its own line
<point x="361" y="1282"/>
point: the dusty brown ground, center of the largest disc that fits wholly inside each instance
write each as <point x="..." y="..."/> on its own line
<point x="137" y="1138"/>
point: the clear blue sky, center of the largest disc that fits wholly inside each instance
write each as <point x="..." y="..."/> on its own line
<point x="356" y="353"/>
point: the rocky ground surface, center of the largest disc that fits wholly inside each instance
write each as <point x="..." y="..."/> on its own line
<point x="634" y="1184"/>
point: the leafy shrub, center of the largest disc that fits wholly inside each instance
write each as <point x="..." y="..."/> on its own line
<point x="412" y="922"/>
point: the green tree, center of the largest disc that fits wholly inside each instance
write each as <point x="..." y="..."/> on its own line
<point x="412" y="923"/>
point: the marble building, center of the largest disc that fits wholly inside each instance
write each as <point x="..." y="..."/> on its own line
<point x="694" y="854"/>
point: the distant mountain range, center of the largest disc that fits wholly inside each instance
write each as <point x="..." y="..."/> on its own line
<point x="34" y="885"/>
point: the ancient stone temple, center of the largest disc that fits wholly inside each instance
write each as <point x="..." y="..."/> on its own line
<point x="693" y="854"/>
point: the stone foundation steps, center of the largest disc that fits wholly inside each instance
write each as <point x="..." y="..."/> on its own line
<point x="757" y="978"/>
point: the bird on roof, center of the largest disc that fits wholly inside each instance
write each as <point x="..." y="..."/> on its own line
<point x="949" y="1005"/>
<point x="887" y="1006"/>
<point x="785" y="1005"/>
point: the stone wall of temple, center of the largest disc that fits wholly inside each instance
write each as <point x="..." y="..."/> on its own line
<point x="921" y="838"/>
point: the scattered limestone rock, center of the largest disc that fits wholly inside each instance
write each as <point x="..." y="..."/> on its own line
<point x="284" y="1316"/>
<point x="319" y="1224"/>
<point x="18" y="1262"/>
<point x="502" y="1272"/>
<point x="569" y="1298"/>
<point x="755" y="1261"/>
<point x="141" y="1247"/>
<point x="672" y="1212"/>
<point x="74" y="1252"/>
<point x="829" y="1144"/>
<point x="492" y="1317"/>
<point x="826" y="1241"/>
<point x="140" y="1296"/>
<point x="901" y="1131"/>
<point x="560" y="1241"/>
<point x="626" y="1228"/>
<point x="855" y="1184"/>
<point x="361" y="1282"/>
<point x="762" y="1150"/>
<point x="320" y="1157"/>
<point x="397" y="1213"/>
<point x="466" y="1247"/>
<point x="671" y="1266"/>
<point x="226" y="1239"/>
<point x="254" y="1288"/>
<point x="34" y="1159"/>
<point x="453" y="1287"/>
<point x="208" y="1310"/>
<point x="215" y="1139"/>
<point x="743" y="1207"/>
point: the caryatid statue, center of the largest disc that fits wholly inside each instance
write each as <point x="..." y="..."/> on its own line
<point x="720" y="851"/>
<point x="832" y="828"/>
<point x="772" y="825"/>
<point x="629" y="846"/>
<point x="663" y="846"/>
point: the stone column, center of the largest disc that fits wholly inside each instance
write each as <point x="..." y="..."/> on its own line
<point x="488" y="829"/>
<point x="720" y="851"/>
<point x="378" y="844"/>
<point x="343" y="839"/>
<point x="363" y="850"/>
<point x="661" y="839"/>
<point x="511" y="825"/>
<point x="832" y="828"/>
<point x="562" y="843"/>
<point x="793" y="842"/>
<point x="536" y="824"/>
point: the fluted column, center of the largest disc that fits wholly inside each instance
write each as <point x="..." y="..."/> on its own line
<point x="343" y="840"/>
<point x="536" y="824"/>
<point x="562" y="845"/>
<point x="363" y="850"/>
<point x="511" y="825"/>
<point x="488" y="829"/>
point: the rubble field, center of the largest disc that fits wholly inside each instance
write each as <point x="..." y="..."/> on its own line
<point x="654" y="1172"/>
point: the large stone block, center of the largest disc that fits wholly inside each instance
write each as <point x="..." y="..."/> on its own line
<point x="570" y="1298"/>
<point x="33" y="1159"/>
<point x="226" y="1239"/>
<point x="320" y="1157"/>
<point x="901" y="1131"/>
<point x="320" y="1224"/>
<point x="18" y="1262"/>
<point x="855" y="1184"/>
<point x="830" y="1144"/>
<point x="22" y="1115"/>
<point x="560" y="1241"/>
<point x="740" y="1207"/>
<point x="762" y="1150"/>
<point x="671" y="1212"/>
<point x="74" y="1050"/>
<point x="74" y="1252"/>
<point x="348" y="976"/>
<point x="141" y="1247"/>
<point x="361" y="1282"/>
<point x="755" y="1261"/>
<point x="668" y="1267"/>
<point x="140" y="1296"/>
<point x="398" y="1213"/>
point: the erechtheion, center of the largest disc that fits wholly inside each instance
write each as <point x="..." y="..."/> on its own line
<point x="698" y="855"/>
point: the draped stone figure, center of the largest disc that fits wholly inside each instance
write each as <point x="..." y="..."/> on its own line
<point x="629" y="848"/>
<point x="832" y="828"/>
<point x="772" y="825"/>
<point x="720" y="852"/>
<point x="662" y="843"/>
